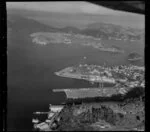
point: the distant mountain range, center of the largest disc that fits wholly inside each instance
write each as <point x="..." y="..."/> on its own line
<point x="111" y="31"/>
<point x="28" y="26"/>
<point x="99" y="30"/>
<point x="108" y="31"/>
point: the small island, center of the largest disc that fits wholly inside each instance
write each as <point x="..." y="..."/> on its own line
<point x="134" y="56"/>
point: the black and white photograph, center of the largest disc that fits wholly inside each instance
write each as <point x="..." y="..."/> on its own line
<point x="75" y="66"/>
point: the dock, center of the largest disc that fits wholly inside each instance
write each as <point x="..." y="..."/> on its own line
<point x="53" y="115"/>
<point x="77" y="93"/>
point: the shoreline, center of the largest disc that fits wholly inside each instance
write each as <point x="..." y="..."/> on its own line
<point x="135" y="59"/>
<point x="79" y="77"/>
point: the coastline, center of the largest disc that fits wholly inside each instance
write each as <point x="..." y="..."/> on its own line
<point x="135" y="59"/>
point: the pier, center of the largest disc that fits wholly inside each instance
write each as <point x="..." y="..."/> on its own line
<point x="53" y="115"/>
<point x="75" y="93"/>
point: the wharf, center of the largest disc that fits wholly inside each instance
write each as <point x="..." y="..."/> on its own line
<point x="77" y="93"/>
<point x="53" y="115"/>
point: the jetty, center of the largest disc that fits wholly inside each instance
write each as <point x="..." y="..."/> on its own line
<point x="53" y="115"/>
<point x="79" y="93"/>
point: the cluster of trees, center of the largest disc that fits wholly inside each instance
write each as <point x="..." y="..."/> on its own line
<point x="94" y="114"/>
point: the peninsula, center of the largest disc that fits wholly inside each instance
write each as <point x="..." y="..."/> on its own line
<point x="44" y="38"/>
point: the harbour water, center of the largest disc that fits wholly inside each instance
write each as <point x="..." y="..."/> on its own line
<point x="31" y="75"/>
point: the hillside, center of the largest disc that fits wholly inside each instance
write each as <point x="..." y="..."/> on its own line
<point x="21" y="24"/>
<point x="112" y="31"/>
<point x="99" y="30"/>
<point x="79" y="20"/>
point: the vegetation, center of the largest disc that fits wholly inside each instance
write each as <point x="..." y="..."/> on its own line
<point x="89" y="113"/>
<point x="84" y="119"/>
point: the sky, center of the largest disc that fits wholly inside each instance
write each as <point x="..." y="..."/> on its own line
<point x="65" y="7"/>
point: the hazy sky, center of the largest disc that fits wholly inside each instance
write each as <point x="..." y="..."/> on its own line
<point x="69" y="7"/>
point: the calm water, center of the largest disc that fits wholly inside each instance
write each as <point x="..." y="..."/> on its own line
<point x="31" y="76"/>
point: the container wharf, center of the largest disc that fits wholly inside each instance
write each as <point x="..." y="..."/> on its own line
<point x="77" y="93"/>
